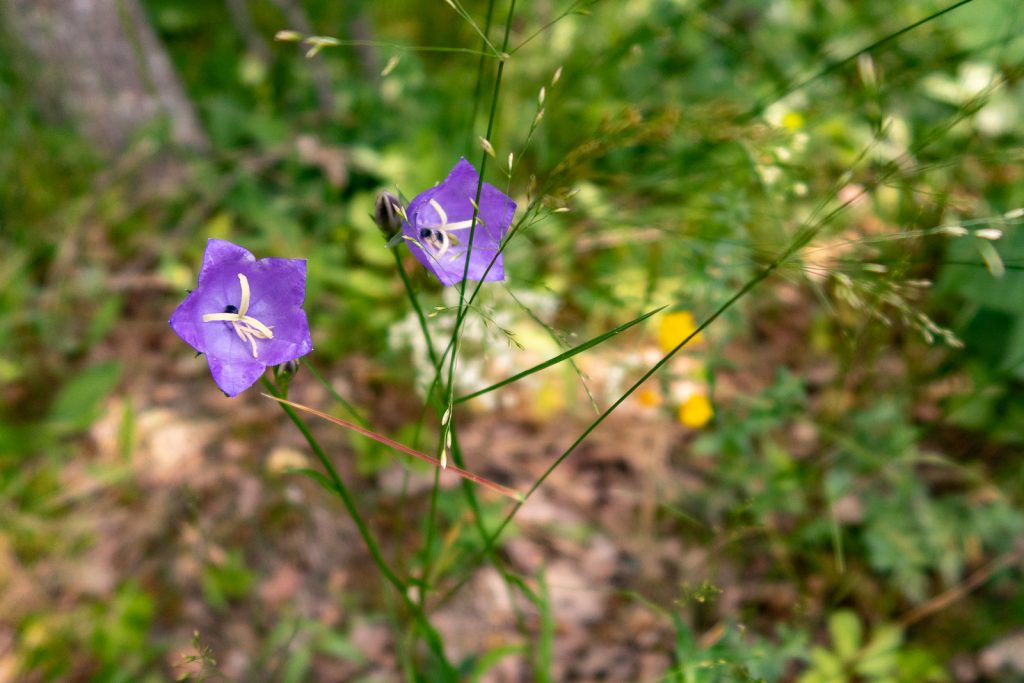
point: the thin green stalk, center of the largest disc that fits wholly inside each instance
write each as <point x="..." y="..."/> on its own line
<point x="448" y="438"/>
<point x="835" y="66"/>
<point x="433" y="637"/>
<point x="478" y="88"/>
<point x="461" y="11"/>
<point x="479" y="285"/>
<point x="569" y="10"/>
<point x="325" y="42"/>
<point x="751" y="284"/>
<point x="428" y="543"/>
<point x="562" y="356"/>
<point x="456" y="452"/>
<point x="349" y="408"/>
<point x="400" y="526"/>
<point x="643" y="378"/>
<point x="800" y="240"/>
<point x="411" y="294"/>
<point x="446" y="427"/>
<point x="432" y="514"/>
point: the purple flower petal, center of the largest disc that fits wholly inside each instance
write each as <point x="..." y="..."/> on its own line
<point x="183" y="320"/>
<point x="221" y="254"/>
<point x="282" y="281"/>
<point x="241" y="338"/>
<point x="234" y="377"/>
<point x="440" y="238"/>
<point x="291" y="337"/>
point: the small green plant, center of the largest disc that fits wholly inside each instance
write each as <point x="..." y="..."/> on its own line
<point x="201" y="666"/>
<point x="227" y="580"/>
<point x="881" y="657"/>
<point x="733" y="656"/>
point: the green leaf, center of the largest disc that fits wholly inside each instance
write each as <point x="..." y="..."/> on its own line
<point x="545" y="646"/>
<point x="491" y="658"/>
<point x="879" y="657"/>
<point x="845" y="628"/>
<point x="920" y="666"/>
<point x="316" y="476"/>
<point x="826" y="667"/>
<point x="79" y="401"/>
<point x="297" y="666"/>
<point x="340" y="646"/>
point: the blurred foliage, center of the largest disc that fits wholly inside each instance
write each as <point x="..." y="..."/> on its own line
<point x="692" y="141"/>
<point x="878" y="658"/>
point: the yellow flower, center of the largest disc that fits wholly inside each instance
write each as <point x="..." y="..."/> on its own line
<point x="649" y="398"/>
<point x="793" y="120"/>
<point x="675" y="327"/>
<point x="696" y="411"/>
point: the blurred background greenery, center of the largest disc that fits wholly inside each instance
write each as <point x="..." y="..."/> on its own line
<point x="827" y="487"/>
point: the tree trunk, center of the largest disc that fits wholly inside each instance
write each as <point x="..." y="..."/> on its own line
<point x="101" y="65"/>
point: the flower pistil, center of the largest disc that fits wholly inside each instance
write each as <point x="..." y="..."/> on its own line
<point x="248" y="328"/>
<point x="439" y="237"/>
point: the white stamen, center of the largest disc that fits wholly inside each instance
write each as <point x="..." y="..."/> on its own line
<point x="440" y="238"/>
<point x="440" y="212"/>
<point x="461" y="225"/>
<point x="243" y="307"/>
<point x="248" y="328"/>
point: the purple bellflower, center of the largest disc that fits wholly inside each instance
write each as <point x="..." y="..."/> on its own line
<point x="244" y="314"/>
<point x="438" y="223"/>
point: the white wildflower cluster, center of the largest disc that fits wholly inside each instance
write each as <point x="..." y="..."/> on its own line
<point x="980" y="84"/>
<point x="496" y="342"/>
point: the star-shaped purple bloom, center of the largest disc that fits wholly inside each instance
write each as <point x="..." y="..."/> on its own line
<point x="244" y="314"/>
<point x="438" y="226"/>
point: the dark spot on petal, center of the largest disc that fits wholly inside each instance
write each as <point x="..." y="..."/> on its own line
<point x="230" y="309"/>
<point x="424" y="233"/>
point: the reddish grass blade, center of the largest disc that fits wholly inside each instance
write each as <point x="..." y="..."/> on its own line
<point x="475" y="478"/>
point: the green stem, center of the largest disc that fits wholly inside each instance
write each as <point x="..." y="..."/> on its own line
<point x="432" y="636"/>
<point x="349" y="408"/>
<point x="463" y="310"/>
<point x="415" y="306"/>
<point x="432" y="514"/>
<point x="835" y="66"/>
<point x="492" y="539"/>
<point x="560" y="357"/>
<point x="456" y="451"/>
<point x="478" y="89"/>
<point x="447" y="429"/>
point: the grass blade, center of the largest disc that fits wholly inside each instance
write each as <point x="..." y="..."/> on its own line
<point x="465" y="474"/>
<point x="562" y="356"/>
<point x="849" y="59"/>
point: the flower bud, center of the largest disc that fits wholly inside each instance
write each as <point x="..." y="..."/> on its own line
<point x="388" y="213"/>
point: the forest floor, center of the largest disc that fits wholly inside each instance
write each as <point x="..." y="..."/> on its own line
<point x="255" y="563"/>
